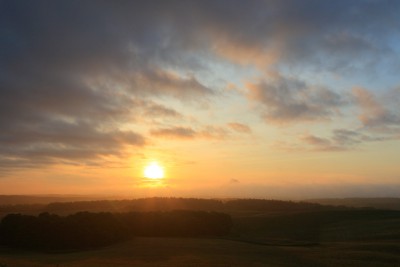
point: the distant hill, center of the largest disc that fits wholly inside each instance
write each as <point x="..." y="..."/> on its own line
<point x="377" y="203"/>
<point x="235" y="206"/>
<point x="46" y="199"/>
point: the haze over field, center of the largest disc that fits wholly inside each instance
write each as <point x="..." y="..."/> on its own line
<point x="270" y="99"/>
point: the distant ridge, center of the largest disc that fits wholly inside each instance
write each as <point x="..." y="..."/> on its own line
<point x="70" y="206"/>
<point x="377" y="203"/>
<point x="46" y="199"/>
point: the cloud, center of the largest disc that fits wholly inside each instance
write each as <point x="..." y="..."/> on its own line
<point x="179" y="132"/>
<point x="373" y="113"/>
<point x="156" y="82"/>
<point x="175" y="132"/>
<point x="289" y="100"/>
<point x="328" y="35"/>
<point x="73" y="73"/>
<point x="320" y="143"/>
<point x="152" y="109"/>
<point x="214" y="132"/>
<point x="77" y="143"/>
<point x="201" y="131"/>
<point x="340" y="140"/>
<point x="239" y="127"/>
<point x="379" y="123"/>
<point x="106" y="35"/>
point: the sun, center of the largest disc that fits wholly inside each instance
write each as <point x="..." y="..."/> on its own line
<point x="154" y="171"/>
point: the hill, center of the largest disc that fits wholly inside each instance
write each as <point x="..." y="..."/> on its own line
<point x="378" y="203"/>
<point x="233" y="206"/>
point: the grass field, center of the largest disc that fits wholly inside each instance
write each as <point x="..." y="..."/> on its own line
<point x="328" y="238"/>
<point x="321" y="227"/>
<point x="341" y="237"/>
<point x="212" y="252"/>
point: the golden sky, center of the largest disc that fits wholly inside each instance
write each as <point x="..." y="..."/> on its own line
<point x="271" y="99"/>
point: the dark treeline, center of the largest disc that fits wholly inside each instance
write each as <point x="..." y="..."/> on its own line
<point x="377" y="203"/>
<point x="42" y="199"/>
<point x="272" y="205"/>
<point x="88" y="230"/>
<point x="142" y="204"/>
<point x="166" y="204"/>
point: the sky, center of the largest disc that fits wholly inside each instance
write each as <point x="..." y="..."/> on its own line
<point x="259" y="99"/>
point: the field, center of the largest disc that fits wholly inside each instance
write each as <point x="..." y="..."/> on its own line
<point x="212" y="252"/>
<point x="342" y="237"/>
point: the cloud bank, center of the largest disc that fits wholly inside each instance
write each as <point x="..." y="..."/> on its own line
<point x="73" y="74"/>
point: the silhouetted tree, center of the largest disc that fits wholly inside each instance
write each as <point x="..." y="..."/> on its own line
<point x="87" y="230"/>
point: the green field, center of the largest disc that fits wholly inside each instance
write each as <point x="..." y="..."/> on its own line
<point x="325" y="238"/>
<point x="212" y="252"/>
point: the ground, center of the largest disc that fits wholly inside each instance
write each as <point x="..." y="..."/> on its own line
<point x="212" y="252"/>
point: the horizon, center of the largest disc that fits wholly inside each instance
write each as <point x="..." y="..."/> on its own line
<point x="100" y="197"/>
<point x="204" y="99"/>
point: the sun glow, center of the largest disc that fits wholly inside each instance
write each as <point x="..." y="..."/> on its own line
<point x="154" y="171"/>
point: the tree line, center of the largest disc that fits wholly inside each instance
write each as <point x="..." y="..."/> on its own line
<point x="88" y="230"/>
<point x="166" y="204"/>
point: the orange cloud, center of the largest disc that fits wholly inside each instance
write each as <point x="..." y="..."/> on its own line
<point x="372" y="112"/>
<point x="179" y="132"/>
<point x="175" y="132"/>
<point x="239" y="127"/>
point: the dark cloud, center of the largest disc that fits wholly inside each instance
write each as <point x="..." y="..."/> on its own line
<point x="338" y="36"/>
<point x="156" y="82"/>
<point x="71" y="72"/>
<point x="106" y="36"/>
<point x="288" y="100"/>
<point x="379" y="122"/>
<point x="77" y="143"/>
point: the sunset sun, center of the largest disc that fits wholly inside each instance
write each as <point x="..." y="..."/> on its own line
<point x="154" y="171"/>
